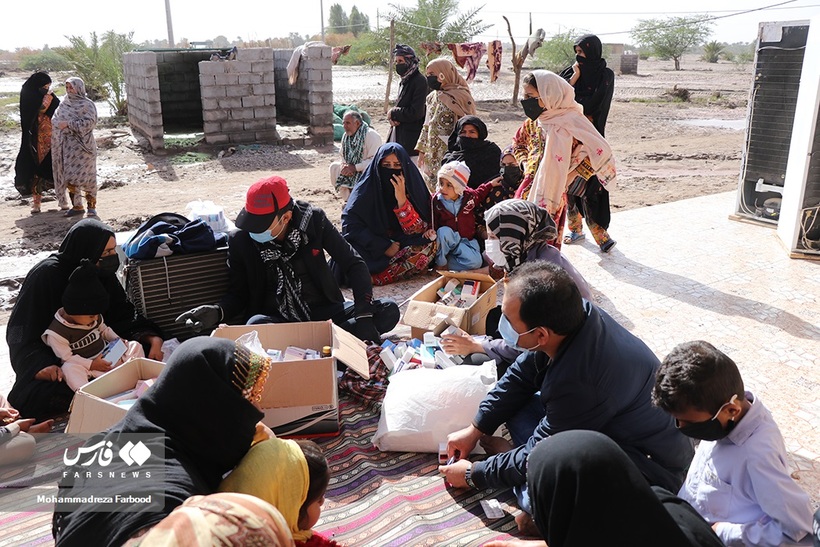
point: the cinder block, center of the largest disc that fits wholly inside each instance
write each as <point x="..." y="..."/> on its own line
<point x="242" y="137"/>
<point x="250" y="78"/>
<point x="319" y="64"/>
<point x="212" y="92"/>
<point x="253" y="100"/>
<point x="324" y="86"/>
<point x="312" y="75"/>
<point x="263" y="89"/>
<point x="317" y="52"/>
<point x="216" y="138"/>
<point x="238" y="66"/>
<point x="237" y="90"/>
<point x="209" y="104"/>
<point x="319" y="109"/>
<point x="207" y="79"/>
<point x="227" y="79"/>
<point x="320" y="98"/>
<point x="269" y="77"/>
<point x="266" y="136"/>
<point x="263" y="112"/>
<point x="269" y="100"/>
<point x="211" y="127"/>
<point x="253" y="125"/>
<point x="249" y="54"/>
<point x="231" y="126"/>
<point x="242" y="114"/>
<point x="212" y="67"/>
<point x="214" y="115"/>
<point x="229" y="103"/>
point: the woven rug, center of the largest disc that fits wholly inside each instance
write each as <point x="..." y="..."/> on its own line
<point x="393" y="498"/>
<point x="374" y="498"/>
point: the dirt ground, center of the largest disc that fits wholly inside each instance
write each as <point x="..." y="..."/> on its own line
<point x="665" y="151"/>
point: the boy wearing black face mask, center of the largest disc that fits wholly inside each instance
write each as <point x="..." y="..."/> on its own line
<point x="739" y="479"/>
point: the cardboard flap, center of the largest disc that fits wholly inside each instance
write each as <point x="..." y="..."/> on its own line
<point x="351" y="351"/>
<point x="469" y="276"/>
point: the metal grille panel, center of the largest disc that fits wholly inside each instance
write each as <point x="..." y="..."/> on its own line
<point x="163" y="288"/>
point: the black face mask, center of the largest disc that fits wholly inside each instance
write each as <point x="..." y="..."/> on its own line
<point x="531" y="108"/>
<point x="43" y="91"/>
<point x="710" y="430"/>
<point x="580" y="60"/>
<point x="468" y="143"/>
<point x="109" y="264"/>
<point x="402" y="68"/>
<point x="433" y="83"/>
<point x="386" y="174"/>
<point x="511" y="175"/>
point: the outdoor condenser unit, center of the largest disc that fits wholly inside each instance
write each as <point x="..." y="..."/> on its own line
<point x="163" y="288"/>
<point x="799" y="225"/>
<point x="771" y="116"/>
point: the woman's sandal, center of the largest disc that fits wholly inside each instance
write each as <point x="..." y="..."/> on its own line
<point x="573" y="237"/>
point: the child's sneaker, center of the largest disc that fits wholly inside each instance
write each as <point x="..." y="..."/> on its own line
<point x="91" y="213"/>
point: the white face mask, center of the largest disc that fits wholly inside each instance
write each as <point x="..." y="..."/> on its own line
<point x="493" y="249"/>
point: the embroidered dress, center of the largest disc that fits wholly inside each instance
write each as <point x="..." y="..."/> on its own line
<point x="494" y="59"/>
<point x="73" y="149"/>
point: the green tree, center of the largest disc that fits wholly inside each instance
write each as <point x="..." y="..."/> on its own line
<point x="221" y="42"/>
<point x="558" y="52"/>
<point x="712" y="51"/>
<point x="47" y="59"/>
<point x="672" y="37"/>
<point x="337" y="21"/>
<point x="359" y="22"/>
<point x="99" y="64"/>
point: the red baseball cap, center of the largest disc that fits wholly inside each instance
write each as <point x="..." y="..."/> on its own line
<point x="264" y="199"/>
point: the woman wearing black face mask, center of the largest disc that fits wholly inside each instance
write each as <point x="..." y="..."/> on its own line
<point x="387" y="218"/>
<point x="560" y="149"/>
<point x="449" y="100"/>
<point x="468" y="143"/>
<point x="594" y="86"/>
<point x="39" y="390"/>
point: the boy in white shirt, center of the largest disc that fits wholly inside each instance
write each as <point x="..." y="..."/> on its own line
<point x="739" y="479"/>
<point x="78" y="335"/>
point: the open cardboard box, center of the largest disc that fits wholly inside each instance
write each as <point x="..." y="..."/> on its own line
<point x="91" y="413"/>
<point x="300" y="398"/>
<point x="424" y="312"/>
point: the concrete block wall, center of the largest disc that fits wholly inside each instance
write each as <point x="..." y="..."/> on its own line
<point x="144" y="106"/>
<point x="179" y="87"/>
<point x="626" y="64"/>
<point x="310" y="99"/>
<point x="239" y="98"/>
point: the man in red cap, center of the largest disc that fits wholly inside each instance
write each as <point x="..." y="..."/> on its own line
<point x="279" y="273"/>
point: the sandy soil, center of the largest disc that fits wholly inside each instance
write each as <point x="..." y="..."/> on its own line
<point x="665" y="150"/>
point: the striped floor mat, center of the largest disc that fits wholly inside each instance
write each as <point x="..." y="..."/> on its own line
<point x="374" y="499"/>
<point x="393" y="498"/>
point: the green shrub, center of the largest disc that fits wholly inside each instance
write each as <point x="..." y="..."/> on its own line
<point x="712" y="51"/>
<point x="47" y="60"/>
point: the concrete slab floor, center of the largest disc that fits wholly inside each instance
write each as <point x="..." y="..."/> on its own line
<point x="684" y="271"/>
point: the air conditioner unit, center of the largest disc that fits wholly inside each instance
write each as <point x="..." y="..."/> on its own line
<point x="771" y="115"/>
<point x="799" y="225"/>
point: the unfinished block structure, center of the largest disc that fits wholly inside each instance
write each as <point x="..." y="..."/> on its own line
<point x="183" y="91"/>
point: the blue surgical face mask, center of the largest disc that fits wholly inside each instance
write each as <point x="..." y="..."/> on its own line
<point x="264" y="237"/>
<point x="510" y="336"/>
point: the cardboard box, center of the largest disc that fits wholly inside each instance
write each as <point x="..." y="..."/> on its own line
<point x="423" y="308"/>
<point x="91" y="413"/>
<point x="300" y="398"/>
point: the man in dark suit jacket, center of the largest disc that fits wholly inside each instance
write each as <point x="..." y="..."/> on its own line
<point x="407" y="117"/>
<point x="279" y="273"/>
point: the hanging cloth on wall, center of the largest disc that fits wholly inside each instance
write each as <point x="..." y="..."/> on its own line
<point x="494" y="59"/>
<point x="431" y="48"/>
<point x="468" y="55"/>
<point x="337" y="52"/>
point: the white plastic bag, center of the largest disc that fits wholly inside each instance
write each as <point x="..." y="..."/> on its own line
<point x="251" y="341"/>
<point x="422" y="406"/>
<point x="213" y="215"/>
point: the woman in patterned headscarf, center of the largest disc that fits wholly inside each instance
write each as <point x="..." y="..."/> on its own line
<point x="522" y="230"/>
<point x="450" y="100"/>
<point x="32" y="170"/>
<point x="74" y="150"/>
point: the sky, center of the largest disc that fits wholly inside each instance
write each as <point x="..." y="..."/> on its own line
<point x="257" y="20"/>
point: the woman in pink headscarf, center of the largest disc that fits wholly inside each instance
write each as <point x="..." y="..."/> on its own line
<point x="572" y="149"/>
